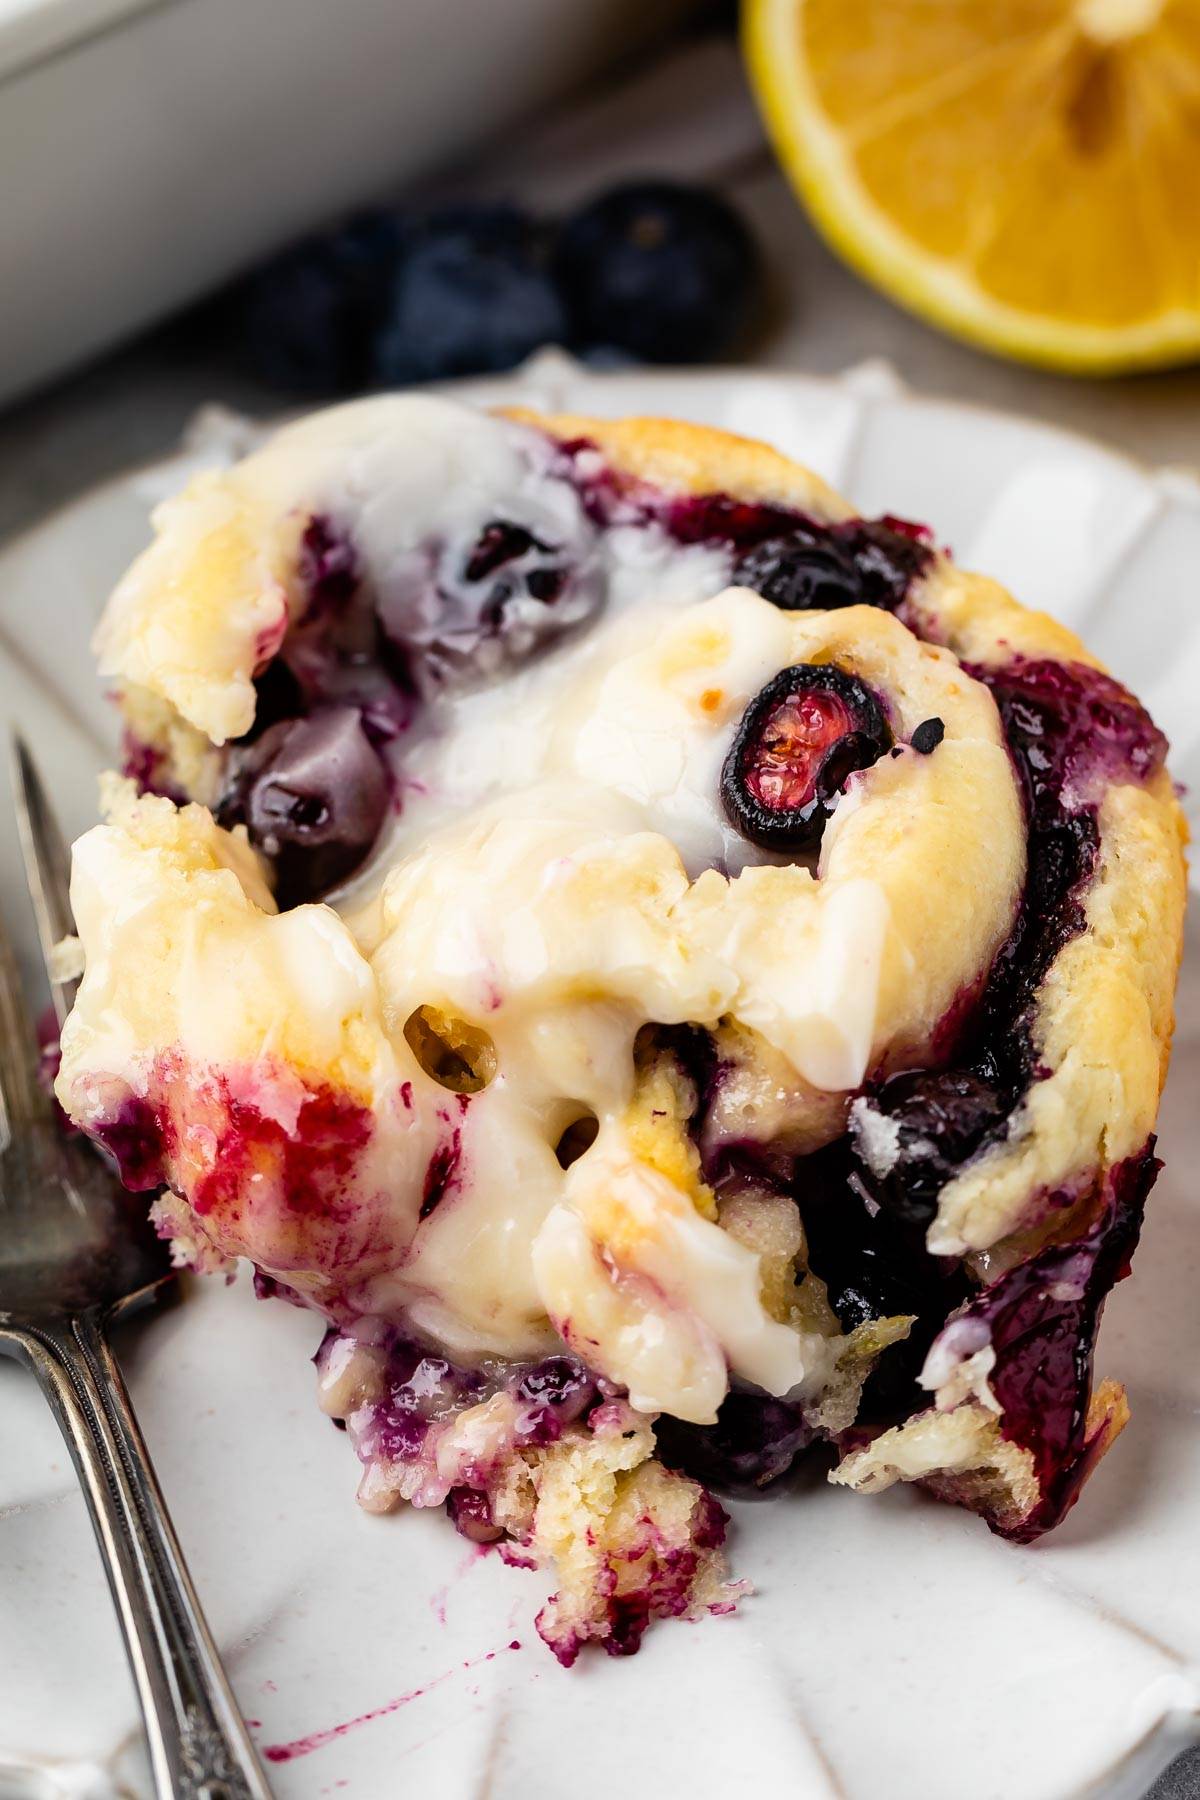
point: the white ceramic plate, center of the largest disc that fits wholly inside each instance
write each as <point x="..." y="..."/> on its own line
<point x="894" y="1648"/>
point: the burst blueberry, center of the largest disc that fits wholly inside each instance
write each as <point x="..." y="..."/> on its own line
<point x="936" y="1120"/>
<point x="811" y="567"/>
<point x="798" y="743"/>
<point x="797" y="573"/>
<point x="514" y="564"/>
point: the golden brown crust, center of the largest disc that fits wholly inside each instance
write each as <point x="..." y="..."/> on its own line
<point x="695" y="459"/>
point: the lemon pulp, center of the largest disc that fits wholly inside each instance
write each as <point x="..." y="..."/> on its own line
<point x="1023" y="172"/>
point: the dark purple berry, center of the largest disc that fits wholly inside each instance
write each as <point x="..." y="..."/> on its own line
<point x="940" y="1119"/>
<point x="889" y="554"/>
<point x="798" y="574"/>
<point x="553" y="1381"/>
<point x="798" y="743"/>
<point x="313" y="794"/>
<point x="667" y="272"/>
<point x="1040" y="1321"/>
<point x="810" y="567"/>
<point x="755" y="1440"/>
<point x="515" y="564"/>
<point x="277" y="696"/>
<point x="471" y="1515"/>
<point x="463" y="611"/>
<point x="472" y="293"/>
<point x="309" y="317"/>
<point x="874" y="1265"/>
<point x="928" y="735"/>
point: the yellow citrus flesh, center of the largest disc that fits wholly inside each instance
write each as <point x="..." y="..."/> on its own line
<point x="1025" y="173"/>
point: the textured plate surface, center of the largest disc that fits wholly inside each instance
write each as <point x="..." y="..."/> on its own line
<point x="893" y="1646"/>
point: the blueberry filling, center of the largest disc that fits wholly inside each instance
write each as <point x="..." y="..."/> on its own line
<point x="328" y="566"/>
<point x="441" y="1175"/>
<point x="875" y="561"/>
<point x="755" y="1440"/>
<point x="865" y="1214"/>
<point x="146" y="766"/>
<point x="1040" y="1320"/>
<point x="337" y="652"/>
<point x="874" y="1264"/>
<point x="516" y="564"/>
<point x="559" y="1383"/>
<point x="470" y="1513"/>
<point x="814" y="567"/>
<point x="1065" y="725"/>
<point x="940" y="1118"/>
<point x="421" y="1390"/>
<point x="799" y="573"/>
<point x="797" y="745"/>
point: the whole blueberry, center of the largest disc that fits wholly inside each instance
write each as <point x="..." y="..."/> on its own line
<point x="664" y="271"/>
<point x="309" y="318"/>
<point x="800" y="573"/>
<point x="313" y="795"/>
<point x="472" y="294"/>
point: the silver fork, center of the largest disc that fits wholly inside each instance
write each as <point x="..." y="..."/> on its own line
<point x="76" y="1253"/>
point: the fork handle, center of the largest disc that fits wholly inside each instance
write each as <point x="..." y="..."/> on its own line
<point x="198" y="1742"/>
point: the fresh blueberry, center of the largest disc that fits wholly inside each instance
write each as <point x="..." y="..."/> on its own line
<point x="472" y="294"/>
<point x="666" y="272"/>
<point x="799" y="741"/>
<point x="309" y="317"/>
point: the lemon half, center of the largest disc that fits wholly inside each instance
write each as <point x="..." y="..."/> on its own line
<point x="1024" y="173"/>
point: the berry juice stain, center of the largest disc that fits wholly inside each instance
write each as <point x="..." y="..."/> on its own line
<point x="317" y="1740"/>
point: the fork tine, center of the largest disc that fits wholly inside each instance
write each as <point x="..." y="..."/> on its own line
<point x="20" y="1097"/>
<point x="47" y="868"/>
